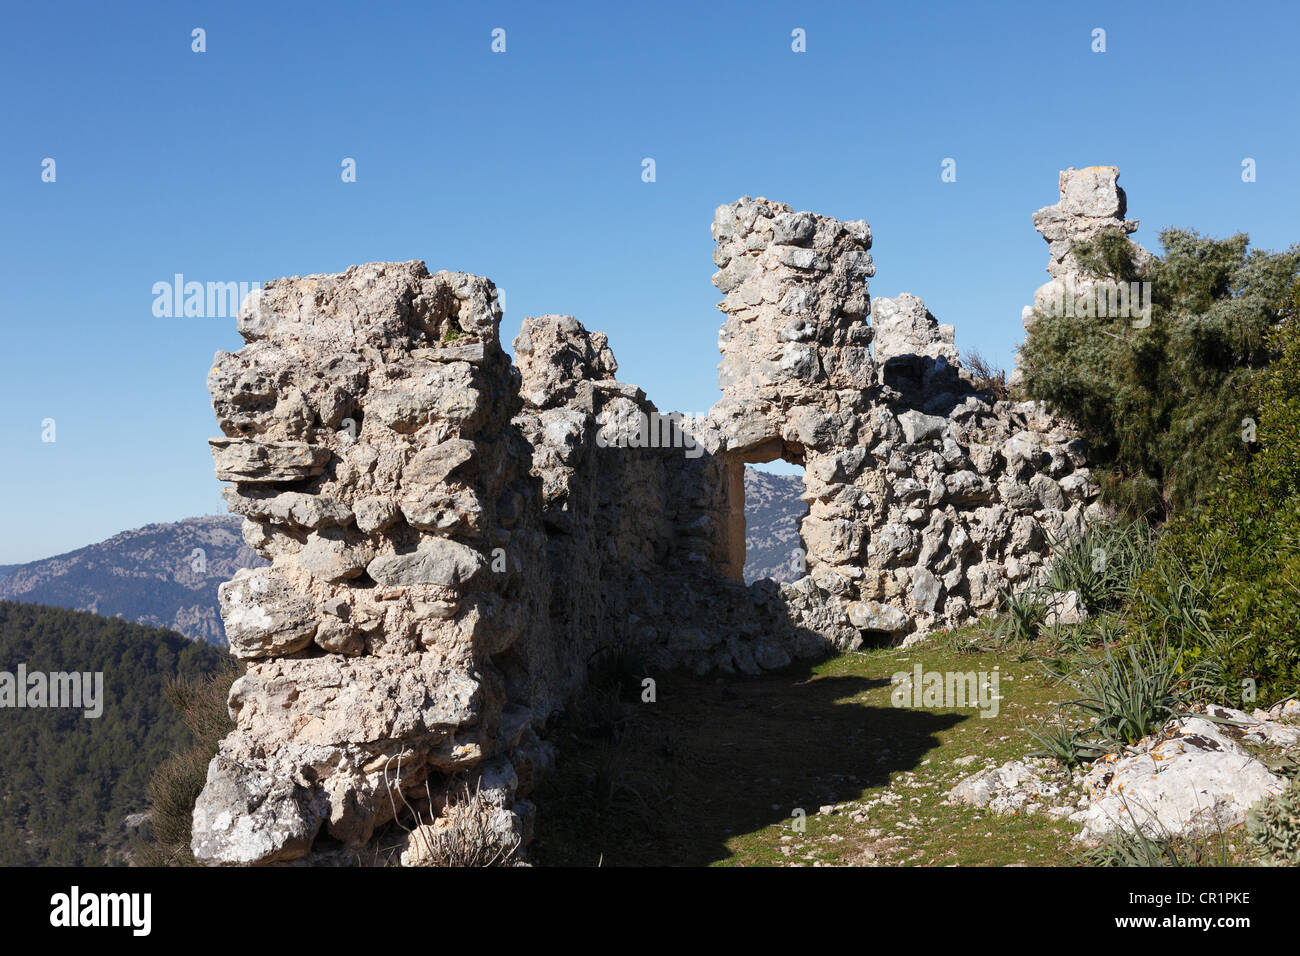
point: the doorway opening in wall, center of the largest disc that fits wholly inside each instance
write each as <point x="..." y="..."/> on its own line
<point x="773" y="512"/>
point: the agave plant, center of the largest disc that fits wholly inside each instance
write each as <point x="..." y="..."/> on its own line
<point x="1133" y="694"/>
<point x="1023" y="615"/>
<point x="1102" y="564"/>
<point x="1069" y="745"/>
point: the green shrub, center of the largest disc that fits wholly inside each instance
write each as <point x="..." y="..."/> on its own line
<point x="1273" y="826"/>
<point x="1134" y="692"/>
<point x="176" y="782"/>
<point x="1071" y="745"/>
<point x="1225" y="582"/>
<point x="1161" y="406"/>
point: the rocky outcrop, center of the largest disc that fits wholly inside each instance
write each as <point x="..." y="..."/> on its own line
<point x="1193" y="782"/>
<point x="1198" y="776"/>
<point x="1016" y="787"/>
<point x="454" y="536"/>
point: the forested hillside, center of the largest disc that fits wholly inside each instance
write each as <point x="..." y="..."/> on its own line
<point x="67" y="780"/>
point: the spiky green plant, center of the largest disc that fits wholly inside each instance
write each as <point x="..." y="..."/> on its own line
<point x="1102" y="563"/>
<point x="1132" y="847"/>
<point x="1133" y="693"/>
<point x="1023" y="615"/>
<point x="1070" y="745"/>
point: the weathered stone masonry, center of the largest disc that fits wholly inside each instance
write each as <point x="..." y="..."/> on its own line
<point x="455" y="536"/>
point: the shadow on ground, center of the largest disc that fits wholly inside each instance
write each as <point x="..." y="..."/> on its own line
<point x="670" y="782"/>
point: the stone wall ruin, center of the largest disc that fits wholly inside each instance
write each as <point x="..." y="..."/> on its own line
<point x="455" y="535"/>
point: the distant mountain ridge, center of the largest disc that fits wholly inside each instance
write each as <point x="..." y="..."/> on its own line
<point x="773" y="510"/>
<point x="153" y="575"/>
<point x="161" y="575"/>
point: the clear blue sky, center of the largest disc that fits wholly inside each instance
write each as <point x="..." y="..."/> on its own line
<point x="526" y="167"/>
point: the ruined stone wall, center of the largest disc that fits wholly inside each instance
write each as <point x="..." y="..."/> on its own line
<point x="1091" y="202"/>
<point x="633" y="503"/>
<point x="369" y="445"/>
<point x="928" y="498"/>
<point x="456" y="537"/>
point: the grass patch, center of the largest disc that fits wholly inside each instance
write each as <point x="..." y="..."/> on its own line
<point x="712" y="773"/>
